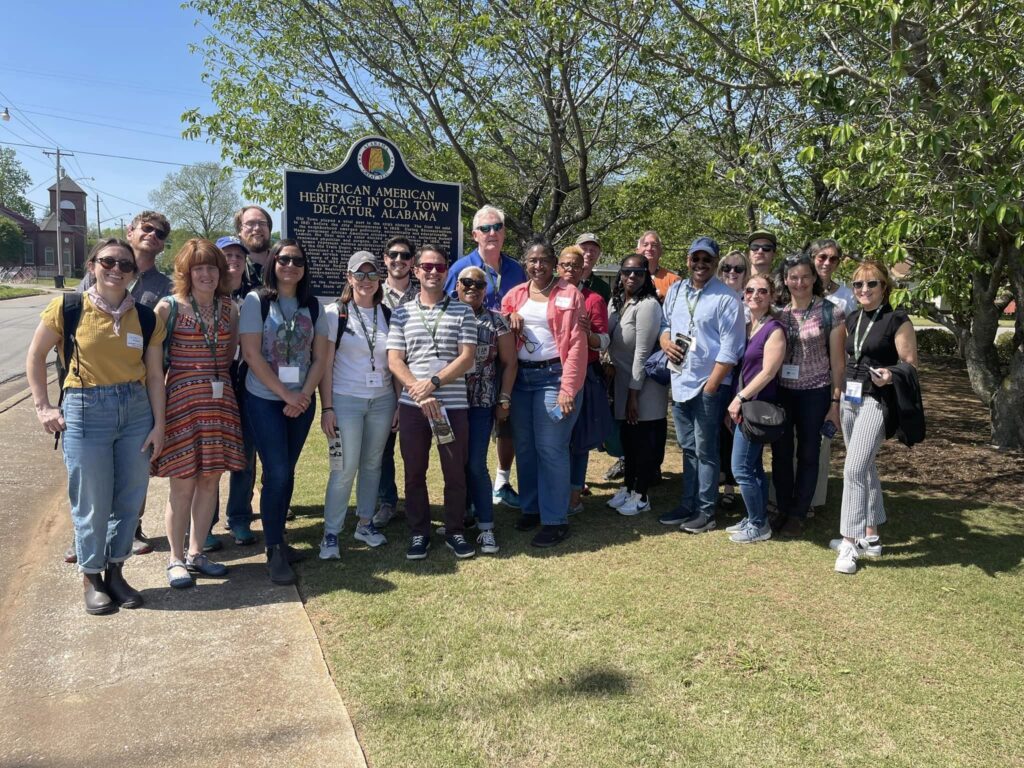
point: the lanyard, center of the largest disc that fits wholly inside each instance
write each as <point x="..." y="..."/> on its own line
<point x="692" y="307"/>
<point x="433" y="331"/>
<point x="289" y="330"/>
<point x="371" y="341"/>
<point x="858" y="342"/>
<point x="210" y="339"/>
<point x="794" y="339"/>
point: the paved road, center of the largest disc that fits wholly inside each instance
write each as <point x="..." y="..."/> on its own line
<point x="18" y="320"/>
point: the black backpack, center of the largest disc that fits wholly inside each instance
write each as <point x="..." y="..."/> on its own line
<point x="312" y="304"/>
<point x="343" y="320"/>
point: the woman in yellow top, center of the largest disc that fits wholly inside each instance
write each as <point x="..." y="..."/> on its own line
<point x="112" y="418"/>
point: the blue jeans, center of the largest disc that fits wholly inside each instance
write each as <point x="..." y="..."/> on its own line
<point x="748" y="469"/>
<point x="542" y="445"/>
<point x="387" y="492"/>
<point x="698" y="423"/>
<point x="478" y="477"/>
<point x="578" y="463"/>
<point x="364" y="425"/>
<point x="806" y="410"/>
<point x="279" y="440"/>
<point x="108" y="473"/>
<point x="242" y="481"/>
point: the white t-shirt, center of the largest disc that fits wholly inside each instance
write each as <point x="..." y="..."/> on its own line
<point x="352" y="360"/>
<point x="539" y="343"/>
<point x="843" y="298"/>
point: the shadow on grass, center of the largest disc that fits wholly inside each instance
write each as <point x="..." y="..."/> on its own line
<point x="594" y="682"/>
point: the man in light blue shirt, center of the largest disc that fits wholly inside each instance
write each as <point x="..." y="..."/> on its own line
<point x="703" y="332"/>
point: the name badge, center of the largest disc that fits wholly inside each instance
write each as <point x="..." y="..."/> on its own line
<point x="791" y="372"/>
<point x="375" y="379"/>
<point x="854" y="392"/>
<point x="289" y="374"/>
<point x="134" y="341"/>
<point x="218" y="389"/>
<point x="563" y="302"/>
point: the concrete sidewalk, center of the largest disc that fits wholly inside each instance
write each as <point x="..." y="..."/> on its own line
<point x="229" y="673"/>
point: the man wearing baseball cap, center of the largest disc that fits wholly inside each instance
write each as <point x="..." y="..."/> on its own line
<point x="591" y="256"/>
<point x="761" y="247"/>
<point x="703" y="332"/>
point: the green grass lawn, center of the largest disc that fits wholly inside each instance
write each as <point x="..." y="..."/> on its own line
<point x="633" y="644"/>
<point x="7" y="292"/>
<point x="69" y="282"/>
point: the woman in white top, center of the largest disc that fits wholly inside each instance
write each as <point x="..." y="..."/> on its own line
<point x="359" y="402"/>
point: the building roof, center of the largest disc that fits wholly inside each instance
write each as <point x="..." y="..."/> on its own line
<point x="27" y="225"/>
<point x="67" y="184"/>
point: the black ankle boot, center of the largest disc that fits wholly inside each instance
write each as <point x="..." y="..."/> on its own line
<point x="119" y="589"/>
<point x="97" y="601"/>
<point x="277" y="564"/>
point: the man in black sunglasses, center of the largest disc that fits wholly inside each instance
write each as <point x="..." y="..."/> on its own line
<point x="399" y="287"/>
<point x="761" y="246"/>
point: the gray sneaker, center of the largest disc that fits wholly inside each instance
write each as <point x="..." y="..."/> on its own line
<point x="699" y="524"/>
<point x="751" y="534"/>
<point x="487" y="542"/>
<point x="737" y="527"/>
<point x="368" y="534"/>
<point x="384" y="515"/>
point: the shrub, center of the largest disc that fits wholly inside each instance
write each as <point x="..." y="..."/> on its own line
<point x="1004" y="348"/>
<point x="936" y="342"/>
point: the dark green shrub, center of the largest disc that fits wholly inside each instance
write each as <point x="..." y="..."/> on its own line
<point x="936" y="342"/>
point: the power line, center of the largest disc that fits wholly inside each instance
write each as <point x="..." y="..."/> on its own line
<point x="98" y="81"/>
<point x="28" y="121"/>
<point x="104" y="154"/>
<point x="105" y="125"/>
<point x="111" y="194"/>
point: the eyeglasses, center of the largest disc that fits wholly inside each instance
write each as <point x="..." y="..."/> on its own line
<point x="127" y="266"/>
<point x="869" y="284"/>
<point x="403" y="255"/>
<point x="766" y="247"/>
<point x="255" y="224"/>
<point x="433" y="266"/>
<point x="571" y="266"/>
<point x="485" y="228"/>
<point x="739" y="269"/>
<point x="633" y="271"/>
<point x="701" y="258"/>
<point x="823" y="258"/>
<point x="529" y="345"/>
<point x="469" y="282"/>
<point x="361" y="276"/>
<point x="537" y="261"/>
<point x="291" y="261"/>
<point x="752" y="291"/>
<point x="149" y="229"/>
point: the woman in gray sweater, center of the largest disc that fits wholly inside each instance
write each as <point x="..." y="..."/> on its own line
<point x="640" y="402"/>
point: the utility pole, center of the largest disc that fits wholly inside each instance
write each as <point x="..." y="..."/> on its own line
<point x="123" y="234"/>
<point x="60" y="240"/>
<point x="99" y="232"/>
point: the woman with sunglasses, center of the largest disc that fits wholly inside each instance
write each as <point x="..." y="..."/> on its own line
<point x="809" y="390"/>
<point x="545" y="314"/>
<point x="112" y="417"/>
<point x="204" y="434"/>
<point x="878" y="339"/>
<point x="640" y="402"/>
<point x="757" y="380"/>
<point x="284" y="343"/>
<point x="489" y="391"/>
<point x="734" y="271"/>
<point x="358" y="401"/>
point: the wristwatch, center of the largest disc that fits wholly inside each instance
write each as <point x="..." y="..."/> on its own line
<point x="436" y="381"/>
<point x="504" y="400"/>
<point x="741" y="398"/>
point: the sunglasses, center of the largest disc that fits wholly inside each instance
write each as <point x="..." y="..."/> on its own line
<point x="431" y="266"/>
<point x="739" y="269"/>
<point x="869" y="284"/>
<point x="127" y="266"/>
<point x="403" y="255"/>
<point x="485" y="228"/>
<point x="752" y="291"/>
<point x="829" y="259"/>
<point x="768" y="248"/>
<point x="359" y="277"/>
<point x="701" y="258"/>
<point x="469" y="282"/>
<point x="571" y="266"/>
<point x="633" y="271"/>
<point x="149" y="229"/>
<point x="291" y="261"/>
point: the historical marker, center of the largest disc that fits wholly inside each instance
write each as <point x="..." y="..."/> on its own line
<point x="371" y="197"/>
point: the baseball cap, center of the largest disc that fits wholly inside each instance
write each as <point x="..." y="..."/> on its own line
<point x="359" y="258"/>
<point x="588" y="237"/>
<point x="705" y="244"/>
<point x="224" y="242"/>
<point x="763" y="234"/>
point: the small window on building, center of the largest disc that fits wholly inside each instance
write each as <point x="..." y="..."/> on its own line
<point x="48" y="257"/>
<point x="30" y="252"/>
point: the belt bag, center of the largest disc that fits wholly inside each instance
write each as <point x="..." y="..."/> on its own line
<point x="762" y="422"/>
<point x="656" y="367"/>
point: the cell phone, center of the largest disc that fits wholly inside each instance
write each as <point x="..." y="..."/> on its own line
<point x="828" y="430"/>
<point x="555" y="413"/>
<point x="682" y="341"/>
<point x="877" y="372"/>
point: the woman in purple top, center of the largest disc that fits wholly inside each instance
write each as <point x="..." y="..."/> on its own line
<point x="766" y="349"/>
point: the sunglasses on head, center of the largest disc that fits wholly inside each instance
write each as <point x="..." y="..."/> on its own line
<point x="739" y="269"/>
<point x="291" y="261"/>
<point x="870" y="284"/>
<point x="150" y="229"/>
<point x="403" y="255"/>
<point x="485" y="228"/>
<point x="634" y="271"/>
<point x="701" y="258"/>
<point x="431" y="266"/>
<point x="109" y="262"/>
<point x="361" y="276"/>
<point x="751" y="291"/>
<point x="767" y="247"/>
<point x="469" y="282"/>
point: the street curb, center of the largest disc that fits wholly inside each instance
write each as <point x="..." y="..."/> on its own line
<point x="25" y="394"/>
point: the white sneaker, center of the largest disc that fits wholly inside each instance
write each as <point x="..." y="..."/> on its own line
<point x="634" y="505"/>
<point x="487" y="542"/>
<point x="846" y="562"/>
<point x="867" y="547"/>
<point x="370" y="535"/>
<point x="620" y="498"/>
<point x="329" y="549"/>
<point x="737" y="527"/>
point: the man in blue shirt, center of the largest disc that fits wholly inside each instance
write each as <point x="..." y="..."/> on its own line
<point x="502" y="273"/>
<point x="703" y="334"/>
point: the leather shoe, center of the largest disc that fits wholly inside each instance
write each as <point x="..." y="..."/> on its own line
<point x="792" y="528"/>
<point x="550" y="535"/>
<point x="97" y="601"/>
<point x="120" y="590"/>
<point x="527" y="522"/>
<point x="277" y="564"/>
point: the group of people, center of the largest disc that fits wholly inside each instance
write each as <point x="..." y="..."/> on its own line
<point x="195" y="377"/>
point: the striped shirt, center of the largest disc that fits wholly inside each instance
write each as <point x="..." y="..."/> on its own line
<point x="430" y="338"/>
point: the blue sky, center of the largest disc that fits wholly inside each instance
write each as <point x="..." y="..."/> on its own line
<point x="66" y="66"/>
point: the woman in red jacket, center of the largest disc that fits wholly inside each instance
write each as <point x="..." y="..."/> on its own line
<point x="545" y="314"/>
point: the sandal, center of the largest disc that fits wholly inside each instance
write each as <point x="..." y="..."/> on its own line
<point x="178" y="576"/>
<point x="203" y="565"/>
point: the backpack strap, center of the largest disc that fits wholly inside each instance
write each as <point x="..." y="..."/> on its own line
<point x="147" y="319"/>
<point x="342" y="323"/>
<point x="71" y="311"/>
<point x="172" y="321"/>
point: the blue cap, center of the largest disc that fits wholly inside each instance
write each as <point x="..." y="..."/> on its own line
<point x="224" y="242"/>
<point x="705" y="244"/>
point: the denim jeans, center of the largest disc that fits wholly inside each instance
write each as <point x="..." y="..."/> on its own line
<point x="748" y="469"/>
<point x="387" y="492"/>
<point x="578" y="463"/>
<point x="242" y="481"/>
<point x="698" y="423"/>
<point x="478" y="477"/>
<point x="806" y="410"/>
<point x="542" y="445"/>
<point x="364" y="426"/>
<point x="108" y="473"/>
<point x="279" y="440"/>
